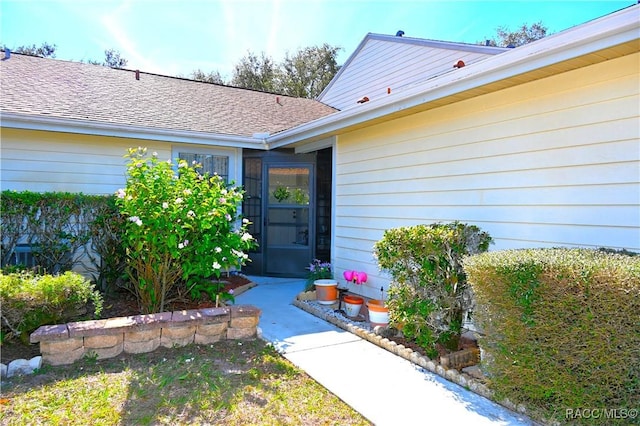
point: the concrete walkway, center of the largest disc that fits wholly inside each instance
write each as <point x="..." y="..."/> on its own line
<point x="383" y="387"/>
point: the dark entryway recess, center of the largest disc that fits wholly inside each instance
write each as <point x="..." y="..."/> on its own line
<point x="288" y="202"/>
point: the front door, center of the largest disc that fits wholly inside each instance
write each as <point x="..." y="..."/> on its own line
<point x="289" y="220"/>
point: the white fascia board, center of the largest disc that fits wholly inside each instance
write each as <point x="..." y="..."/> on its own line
<point x="448" y="45"/>
<point x="56" y="124"/>
<point x="611" y="30"/>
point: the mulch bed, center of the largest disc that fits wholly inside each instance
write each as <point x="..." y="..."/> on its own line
<point x="118" y="304"/>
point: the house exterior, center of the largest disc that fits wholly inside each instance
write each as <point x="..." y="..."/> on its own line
<point x="538" y="145"/>
<point x="382" y="64"/>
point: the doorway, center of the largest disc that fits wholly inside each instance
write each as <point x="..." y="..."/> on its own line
<point x="288" y="219"/>
<point x="287" y="201"/>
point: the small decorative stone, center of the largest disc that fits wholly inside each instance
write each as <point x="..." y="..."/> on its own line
<point x="451" y="375"/>
<point x="3" y="371"/>
<point x="474" y="371"/>
<point x="462" y="380"/>
<point x="422" y="361"/>
<point x="23" y="366"/>
<point x="406" y="353"/>
<point x="510" y="405"/>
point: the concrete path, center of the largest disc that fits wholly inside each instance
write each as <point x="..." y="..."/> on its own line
<point x="383" y="387"/>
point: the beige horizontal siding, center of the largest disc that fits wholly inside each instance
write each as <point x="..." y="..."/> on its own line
<point x="554" y="162"/>
<point x="42" y="161"/>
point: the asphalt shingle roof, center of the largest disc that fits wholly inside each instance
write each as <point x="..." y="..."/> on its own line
<point x="72" y="90"/>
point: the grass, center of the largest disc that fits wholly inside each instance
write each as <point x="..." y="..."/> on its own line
<point x="230" y="383"/>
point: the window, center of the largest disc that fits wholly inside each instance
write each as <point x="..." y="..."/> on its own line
<point x="211" y="164"/>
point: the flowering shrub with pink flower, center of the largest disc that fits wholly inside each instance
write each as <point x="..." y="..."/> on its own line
<point x="182" y="227"/>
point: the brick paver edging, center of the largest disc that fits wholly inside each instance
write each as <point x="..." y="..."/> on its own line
<point x="66" y="343"/>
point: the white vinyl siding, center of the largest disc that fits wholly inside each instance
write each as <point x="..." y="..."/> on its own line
<point x="382" y="64"/>
<point x="555" y="162"/>
<point x="42" y="161"/>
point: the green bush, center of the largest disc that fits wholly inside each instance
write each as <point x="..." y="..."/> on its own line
<point x="561" y="327"/>
<point x="428" y="294"/>
<point x="29" y="301"/>
<point x="107" y="254"/>
<point x="180" y="228"/>
<point x="62" y="228"/>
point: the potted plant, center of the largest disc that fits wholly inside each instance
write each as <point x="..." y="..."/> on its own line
<point x="378" y="311"/>
<point x="321" y="278"/>
<point x="353" y="304"/>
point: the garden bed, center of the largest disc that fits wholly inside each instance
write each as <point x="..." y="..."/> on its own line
<point x="121" y="304"/>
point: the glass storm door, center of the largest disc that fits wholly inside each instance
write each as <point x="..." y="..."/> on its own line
<point x="288" y="219"/>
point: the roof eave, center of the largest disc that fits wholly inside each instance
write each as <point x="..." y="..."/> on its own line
<point x="611" y="30"/>
<point x="95" y="128"/>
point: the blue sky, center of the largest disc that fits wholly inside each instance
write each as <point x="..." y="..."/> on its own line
<point x="174" y="37"/>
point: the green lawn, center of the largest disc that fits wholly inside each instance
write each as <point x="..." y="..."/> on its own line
<point x="230" y="383"/>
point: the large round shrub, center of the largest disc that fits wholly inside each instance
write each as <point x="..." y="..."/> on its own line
<point x="182" y="227"/>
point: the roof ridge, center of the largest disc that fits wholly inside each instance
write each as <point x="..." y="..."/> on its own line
<point x="70" y="61"/>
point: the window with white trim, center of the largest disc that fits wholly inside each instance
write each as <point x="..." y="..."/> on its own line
<point x="211" y="164"/>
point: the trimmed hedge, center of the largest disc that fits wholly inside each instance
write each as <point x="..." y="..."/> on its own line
<point x="64" y="229"/>
<point x="562" y="328"/>
<point x="29" y="301"/>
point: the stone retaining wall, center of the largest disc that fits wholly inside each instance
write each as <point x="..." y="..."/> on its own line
<point x="66" y="343"/>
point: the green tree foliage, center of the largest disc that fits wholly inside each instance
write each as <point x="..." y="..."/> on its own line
<point x="304" y="74"/>
<point x="308" y="71"/>
<point x="523" y="35"/>
<point x="45" y="50"/>
<point x="257" y="73"/>
<point x="211" y="77"/>
<point x="112" y="59"/>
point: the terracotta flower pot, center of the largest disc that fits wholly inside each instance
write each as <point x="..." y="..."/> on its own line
<point x="378" y="313"/>
<point x="352" y="305"/>
<point x="326" y="291"/>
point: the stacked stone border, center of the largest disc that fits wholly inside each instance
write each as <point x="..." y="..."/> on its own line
<point x="64" y="344"/>
<point x="462" y="379"/>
